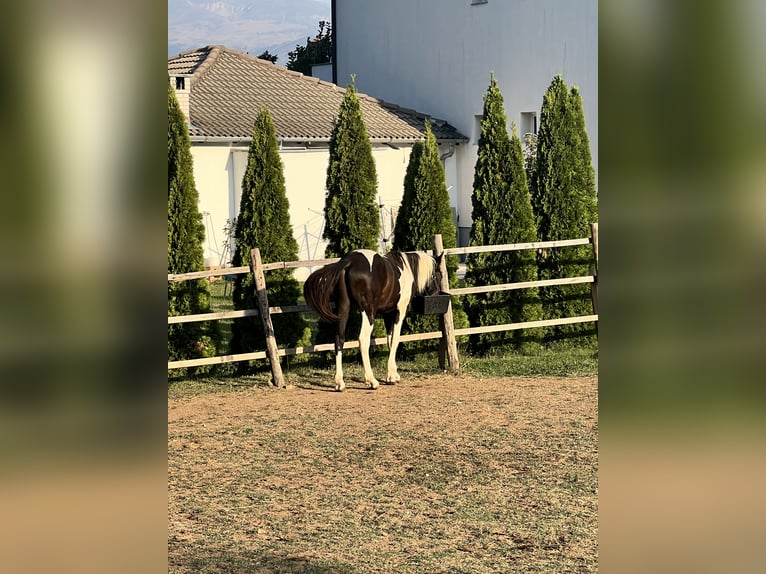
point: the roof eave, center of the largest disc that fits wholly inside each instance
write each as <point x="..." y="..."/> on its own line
<point x="300" y="140"/>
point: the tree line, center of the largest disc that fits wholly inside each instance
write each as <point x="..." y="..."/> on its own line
<point x="545" y="195"/>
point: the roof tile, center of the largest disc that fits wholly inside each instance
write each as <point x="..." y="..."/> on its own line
<point x="228" y="86"/>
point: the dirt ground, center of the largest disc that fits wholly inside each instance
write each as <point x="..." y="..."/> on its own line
<point x="435" y="474"/>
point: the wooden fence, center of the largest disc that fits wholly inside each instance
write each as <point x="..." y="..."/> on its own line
<point x="447" y="334"/>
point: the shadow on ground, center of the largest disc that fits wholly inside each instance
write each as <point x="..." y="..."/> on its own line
<point x="229" y="561"/>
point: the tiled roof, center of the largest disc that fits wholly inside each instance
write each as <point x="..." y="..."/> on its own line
<point x="228" y="86"/>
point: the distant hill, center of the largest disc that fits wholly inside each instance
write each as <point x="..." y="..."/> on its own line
<point x="248" y="25"/>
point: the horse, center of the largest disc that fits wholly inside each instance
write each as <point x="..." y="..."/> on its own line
<point x="377" y="285"/>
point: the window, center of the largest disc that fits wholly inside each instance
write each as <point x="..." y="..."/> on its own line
<point x="180" y="83"/>
<point x="474" y="2"/>
<point x="528" y="124"/>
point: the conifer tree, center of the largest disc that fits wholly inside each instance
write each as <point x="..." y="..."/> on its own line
<point x="351" y="212"/>
<point x="502" y="213"/>
<point x="185" y="236"/>
<point x="264" y="222"/>
<point x="564" y="201"/>
<point x="424" y="212"/>
<point x="404" y="217"/>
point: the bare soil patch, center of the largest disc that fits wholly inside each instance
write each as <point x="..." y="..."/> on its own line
<point x="438" y="474"/>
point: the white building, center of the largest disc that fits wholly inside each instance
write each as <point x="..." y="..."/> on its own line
<point x="220" y="91"/>
<point x="437" y="55"/>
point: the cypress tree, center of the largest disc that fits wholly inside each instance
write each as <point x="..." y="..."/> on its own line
<point x="404" y="217"/>
<point x="502" y="213"/>
<point x="186" y="234"/>
<point x="351" y="212"/>
<point x="264" y="222"/>
<point x="424" y="212"/>
<point x="564" y="201"/>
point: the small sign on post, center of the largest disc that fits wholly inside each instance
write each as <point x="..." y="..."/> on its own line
<point x="272" y="353"/>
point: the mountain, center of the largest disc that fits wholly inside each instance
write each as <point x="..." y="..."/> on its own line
<point x="248" y="25"/>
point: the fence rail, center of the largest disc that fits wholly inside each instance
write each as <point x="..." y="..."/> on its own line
<point x="517" y="246"/>
<point x="320" y="262"/>
<point x="448" y="333"/>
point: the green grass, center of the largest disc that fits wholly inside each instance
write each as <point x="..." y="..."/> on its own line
<point x="318" y="369"/>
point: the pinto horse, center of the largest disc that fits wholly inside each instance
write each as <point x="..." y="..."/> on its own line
<point x="377" y="285"/>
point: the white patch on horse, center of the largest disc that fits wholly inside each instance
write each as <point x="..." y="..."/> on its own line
<point x="406" y="286"/>
<point x="365" y="334"/>
<point x="425" y="269"/>
<point x="339" y="382"/>
<point x="369" y="254"/>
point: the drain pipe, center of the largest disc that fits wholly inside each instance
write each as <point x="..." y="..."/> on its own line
<point x="449" y="154"/>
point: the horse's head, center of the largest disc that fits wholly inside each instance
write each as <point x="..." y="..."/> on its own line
<point x="434" y="283"/>
<point x="426" y="271"/>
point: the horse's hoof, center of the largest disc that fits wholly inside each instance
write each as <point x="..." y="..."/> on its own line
<point x="374" y="385"/>
<point x="340" y="388"/>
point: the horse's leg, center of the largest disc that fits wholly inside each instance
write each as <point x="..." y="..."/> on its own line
<point x="339" y="382"/>
<point x="364" y="348"/>
<point x="393" y="374"/>
<point x="388" y="321"/>
<point x="344" y="306"/>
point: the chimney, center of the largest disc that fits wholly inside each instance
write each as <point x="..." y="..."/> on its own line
<point x="182" y="85"/>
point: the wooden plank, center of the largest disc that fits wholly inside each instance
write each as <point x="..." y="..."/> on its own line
<point x="321" y="262"/>
<point x="516" y="246"/>
<point x="297" y="264"/>
<point x="241" y="270"/>
<point x="268" y="328"/>
<point x="235" y="314"/>
<point x="210" y="273"/>
<point x="217" y="360"/>
<point x="305" y="308"/>
<point x="380" y="341"/>
<point x="527" y="325"/>
<point x="289" y="309"/>
<point x="522" y="285"/>
<point x="212" y="316"/>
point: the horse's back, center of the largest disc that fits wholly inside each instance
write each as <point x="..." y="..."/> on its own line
<point x="373" y="280"/>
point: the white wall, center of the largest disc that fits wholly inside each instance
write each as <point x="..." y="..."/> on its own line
<point x="212" y="166"/>
<point x="435" y="56"/>
<point x="218" y="172"/>
<point x="322" y="71"/>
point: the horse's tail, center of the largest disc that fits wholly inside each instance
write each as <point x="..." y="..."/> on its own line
<point x="320" y="285"/>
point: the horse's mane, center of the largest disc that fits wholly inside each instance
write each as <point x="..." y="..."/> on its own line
<point x="423" y="267"/>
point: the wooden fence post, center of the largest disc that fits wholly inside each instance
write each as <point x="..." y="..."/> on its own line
<point x="446" y="322"/>
<point x="263" y="308"/>
<point x="594" y="285"/>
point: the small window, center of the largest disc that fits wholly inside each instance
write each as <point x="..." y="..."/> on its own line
<point x="474" y="2"/>
<point x="180" y="83"/>
<point x="528" y="123"/>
